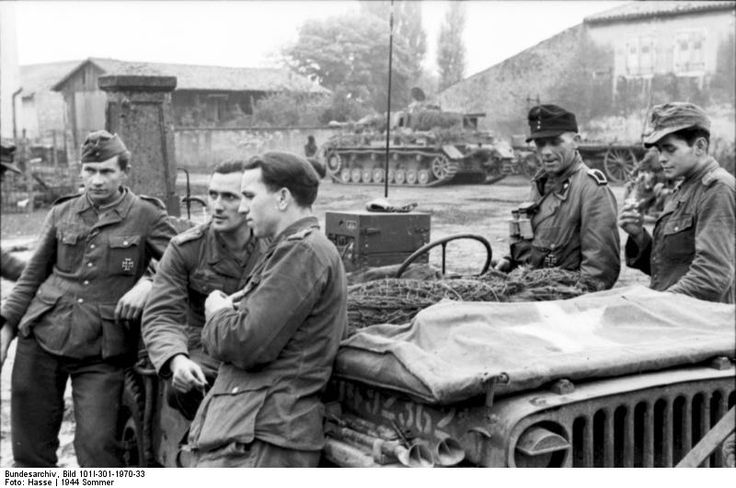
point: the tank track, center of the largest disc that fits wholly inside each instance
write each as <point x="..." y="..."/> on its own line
<point x="411" y="167"/>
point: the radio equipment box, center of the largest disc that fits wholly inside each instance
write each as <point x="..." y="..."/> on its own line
<point x="371" y="239"/>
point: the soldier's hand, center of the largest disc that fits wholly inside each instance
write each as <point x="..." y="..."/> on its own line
<point x="130" y="306"/>
<point x="186" y="374"/>
<point x="503" y="264"/>
<point x="631" y="220"/>
<point x="6" y="336"/>
<point x="216" y="301"/>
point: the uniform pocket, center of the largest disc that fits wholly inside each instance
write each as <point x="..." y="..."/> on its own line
<point x="69" y="250"/>
<point x="226" y="417"/>
<point x="39" y="307"/>
<point x="125" y="255"/>
<point x="118" y="339"/>
<point x="679" y="239"/>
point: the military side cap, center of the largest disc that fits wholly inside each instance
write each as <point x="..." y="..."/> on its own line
<point x="6" y="158"/>
<point x="550" y="121"/>
<point x="671" y="117"/>
<point x="100" y="146"/>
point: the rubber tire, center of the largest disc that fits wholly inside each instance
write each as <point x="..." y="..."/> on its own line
<point x="130" y="423"/>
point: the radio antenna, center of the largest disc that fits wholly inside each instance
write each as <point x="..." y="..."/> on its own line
<point x="388" y="103"/>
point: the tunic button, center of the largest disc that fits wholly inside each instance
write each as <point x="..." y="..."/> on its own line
<point x="235" y="390"/>
<point x="80" y="300"/>
<point x="86" y="282"/>
<point x="91" y="246"/>
<point x="125" y="243"/>
<point x="89" y="265"/>
<point x="676" y="228"/>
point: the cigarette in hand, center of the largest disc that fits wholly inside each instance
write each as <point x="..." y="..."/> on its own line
<point x="235" y="297"/>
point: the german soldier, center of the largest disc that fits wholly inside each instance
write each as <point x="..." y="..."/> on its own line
<point x="691" y="250"/>
<point x="569" y="221"/>
<point x="217" y="255"/>
<point x="74" y="308"/>
<point x="278" y="344"/>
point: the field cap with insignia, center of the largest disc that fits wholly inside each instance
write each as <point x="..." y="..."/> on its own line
<point x="550" y="121"/>
<point x="671" y="117"/>
<point x="100" y="146"/>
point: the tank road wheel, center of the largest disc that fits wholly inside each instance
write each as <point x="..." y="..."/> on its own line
<point x="378" y="175"/>
<point x="367" y="175"/>
<point x="334" y="163"/>
<point x="411" y="176"/>
<point x="443" y="242"/>
<point x="400" y="176"/>
<point x="619" y="164"/>
<point x="355" y="175"/>
<point x="423" y="176"/>
<point x="345" y="175"/>
<point x="391" y="175"/>
<point x="130" y="423"/>
<point x="440" y="166"/>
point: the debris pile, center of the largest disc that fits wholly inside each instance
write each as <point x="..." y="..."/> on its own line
<point x="396" y="301"/>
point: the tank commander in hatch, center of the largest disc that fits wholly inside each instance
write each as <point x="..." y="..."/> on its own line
<point x="569" y="221"/>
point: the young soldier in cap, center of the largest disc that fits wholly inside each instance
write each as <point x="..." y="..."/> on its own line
<point x="10" y="266"/>
<point x="691" y="250"/>
<point x="278" y="343"/>
<point x="73" y="309"/>
<point x="217" y="255"/>
<point x="572" y="211"/>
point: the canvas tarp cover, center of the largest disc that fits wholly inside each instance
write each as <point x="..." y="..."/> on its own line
<point x="449" y="350"/>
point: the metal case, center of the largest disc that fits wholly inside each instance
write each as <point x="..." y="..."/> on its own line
<point x="368" y="239"/>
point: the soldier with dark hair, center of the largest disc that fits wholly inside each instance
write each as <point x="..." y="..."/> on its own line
<point x="75" y="309"/>
<point x="278" y="343"/>
<point x="217" y="255"/>
<point x="691" y="250"/>
<point x="569" y="221"/>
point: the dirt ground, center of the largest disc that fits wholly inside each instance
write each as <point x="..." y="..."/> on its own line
<point x="476" y="209"/>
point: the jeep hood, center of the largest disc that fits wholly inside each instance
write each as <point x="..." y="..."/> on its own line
<point x="450" y="350"/>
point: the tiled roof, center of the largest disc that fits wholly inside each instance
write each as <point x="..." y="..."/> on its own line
<point x="198" y="77"/>
<point x="41" y="77"/>
<point x="643" y="9"/>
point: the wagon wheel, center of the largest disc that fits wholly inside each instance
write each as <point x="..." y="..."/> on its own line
<point x="619" y="164"/>
<point x="443" y="242"/>
<point x="440" y="167"/>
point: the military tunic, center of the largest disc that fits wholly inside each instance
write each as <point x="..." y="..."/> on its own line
<point x="83" y="265"/>
<point x="277" y="348"/>
<point x="692" y="250"/>
<point x="195" y="264"/>
<point x="574" y="226"/>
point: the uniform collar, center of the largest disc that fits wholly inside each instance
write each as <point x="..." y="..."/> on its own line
<point x="217" y="249"/>
<point x="560" y="184"/>
<point x="697" y="175"/>
<point x="121" y="208"/>
<point x="299" y="225"/>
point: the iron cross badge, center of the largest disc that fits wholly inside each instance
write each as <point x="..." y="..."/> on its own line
<point x="128" y="264"/>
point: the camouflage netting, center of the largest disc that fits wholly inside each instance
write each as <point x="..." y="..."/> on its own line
<point x="396" y="301"/>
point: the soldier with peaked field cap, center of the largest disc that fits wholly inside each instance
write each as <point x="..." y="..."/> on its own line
<point x="75" y="309"/>
<point x="691" y="249"/>
<point x="569" y="221"/>
<point x="278" y="343"/>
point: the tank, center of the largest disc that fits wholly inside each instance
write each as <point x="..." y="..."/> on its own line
<point x="428" y="147"/>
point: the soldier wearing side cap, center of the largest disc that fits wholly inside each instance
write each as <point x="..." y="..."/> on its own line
<point x="75" y="309"/>
<point x="569" y="221"/>
<point x="691" y="249"/>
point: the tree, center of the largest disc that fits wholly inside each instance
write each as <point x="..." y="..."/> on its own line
<point x="450" y="47"/>
<point x="349" y="54"/>
<point x="407" y="27"/>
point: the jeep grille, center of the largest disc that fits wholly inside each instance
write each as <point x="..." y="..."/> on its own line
<point x="644" y="428"/>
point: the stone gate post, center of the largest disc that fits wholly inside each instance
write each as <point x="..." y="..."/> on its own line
<point x="139" y="110"/>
